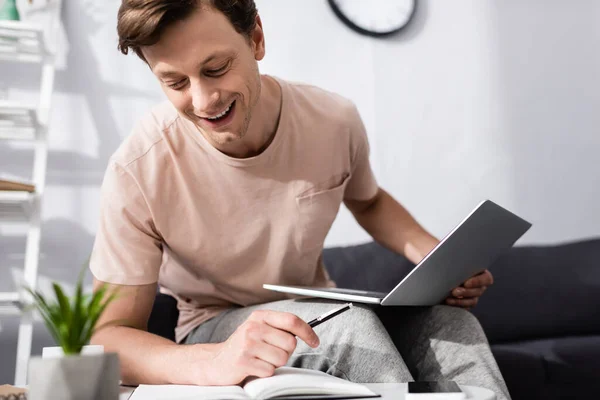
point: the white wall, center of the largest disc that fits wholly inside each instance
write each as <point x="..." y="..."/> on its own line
<point x="476" y="99"/>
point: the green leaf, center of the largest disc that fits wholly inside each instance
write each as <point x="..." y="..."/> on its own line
<point x="44" y="309"/>
<point x="98" y="308"/>
<point x="63" y="301"/>
<point x="95" y="308"/>
<point x="96" y="299"/>
<point x="79" y="317"/>
<point x="41" y="304"/>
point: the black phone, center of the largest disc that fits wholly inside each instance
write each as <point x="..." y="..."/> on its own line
<point x="431" y="390"/>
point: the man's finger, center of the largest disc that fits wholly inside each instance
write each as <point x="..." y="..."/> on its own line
<point x="466" y="303"/>
<point x="461" y="292"/>
<point x="290" y="323"/>
<point x="261" y="368"/>
<point x="278" y="338"/>
<point x="271" y="354"/>
<point x="483" y="279"/>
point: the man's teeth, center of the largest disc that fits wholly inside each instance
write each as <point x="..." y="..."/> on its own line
<point x="220" y="115"/>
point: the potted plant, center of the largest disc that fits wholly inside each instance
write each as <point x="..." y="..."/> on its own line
<point x="9" y="10"/>
<point x="71" y="322"/>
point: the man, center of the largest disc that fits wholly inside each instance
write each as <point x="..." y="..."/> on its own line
<point x="235" y="182"/>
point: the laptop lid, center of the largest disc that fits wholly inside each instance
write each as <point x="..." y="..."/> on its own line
<point x="471" y="247"/>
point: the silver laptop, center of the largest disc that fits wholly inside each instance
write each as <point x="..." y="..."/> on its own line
<point x="471" y="247"/>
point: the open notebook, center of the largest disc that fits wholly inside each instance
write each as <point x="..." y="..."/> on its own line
<point x="287" y="382"/>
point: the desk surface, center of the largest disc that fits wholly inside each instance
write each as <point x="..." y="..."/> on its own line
<point x="388" y="391"/>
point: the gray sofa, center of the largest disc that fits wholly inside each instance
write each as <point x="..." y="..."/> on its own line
<point x="542" y="315"/>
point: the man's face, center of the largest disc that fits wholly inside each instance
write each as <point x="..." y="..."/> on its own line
<point x="209" y="72"/>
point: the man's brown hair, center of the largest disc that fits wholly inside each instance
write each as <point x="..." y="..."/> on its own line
<point x="141" y="22"/>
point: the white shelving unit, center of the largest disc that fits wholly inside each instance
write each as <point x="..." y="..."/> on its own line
<point x="17" y="121"/>
<point x="22" y="42"/>
<point x="15" y="206"/>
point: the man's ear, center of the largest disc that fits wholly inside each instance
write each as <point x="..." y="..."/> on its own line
<point x="258" y="40"/>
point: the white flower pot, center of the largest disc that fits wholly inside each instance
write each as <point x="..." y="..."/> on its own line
<point x="77" y="377"/>
<point x="57" y="351"/>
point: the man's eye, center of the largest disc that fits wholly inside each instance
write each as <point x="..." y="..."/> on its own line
<point x="218" y="71"/>
<point x="177" y="85"/>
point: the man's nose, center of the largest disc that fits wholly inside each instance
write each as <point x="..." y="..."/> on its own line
<point x="204" y="96"/>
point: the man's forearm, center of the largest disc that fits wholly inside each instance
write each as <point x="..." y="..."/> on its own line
<point x="390" y="224"/>
<point x="151" y="359"/>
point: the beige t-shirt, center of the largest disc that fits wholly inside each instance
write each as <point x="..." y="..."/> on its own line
<point x="211" y="229"/>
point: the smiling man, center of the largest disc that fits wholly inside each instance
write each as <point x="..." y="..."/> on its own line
<point x="235" y="182"/>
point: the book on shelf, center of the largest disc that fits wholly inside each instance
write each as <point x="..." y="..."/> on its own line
<point x="287" y="382"/>
<point x="14" y="183"/>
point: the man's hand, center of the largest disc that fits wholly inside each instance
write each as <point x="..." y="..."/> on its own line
<point x="467" y="295"/>
<point x="265" y="341"/>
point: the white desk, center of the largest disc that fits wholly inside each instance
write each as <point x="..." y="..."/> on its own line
<point x="388" y="391"/>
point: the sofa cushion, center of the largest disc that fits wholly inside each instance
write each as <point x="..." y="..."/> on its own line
<point x="554" y="368"/>
<point x="515" y="364"/>
<point x="543" y="291"/>
<point x="368" y="266"/>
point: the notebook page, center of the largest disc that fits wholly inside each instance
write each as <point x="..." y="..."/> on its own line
<point x="289" y="381"/>
<point x="188" y="392"/>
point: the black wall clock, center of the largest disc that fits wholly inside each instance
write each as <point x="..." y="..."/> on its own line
<point x="375" y="18"/>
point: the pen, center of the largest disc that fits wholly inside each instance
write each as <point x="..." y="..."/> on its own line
<point x="319" y="320"/>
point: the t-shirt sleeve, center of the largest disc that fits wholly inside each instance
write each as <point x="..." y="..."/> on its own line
<point x="127" y="250"/>
<point x="362" y="184"/>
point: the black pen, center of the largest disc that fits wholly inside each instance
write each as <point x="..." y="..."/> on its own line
<point x="329" y="315"/>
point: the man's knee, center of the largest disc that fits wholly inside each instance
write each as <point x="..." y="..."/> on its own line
<point x="455" y="315"/>
<point x="364" y="315"/>
<point x="359" y="320"/>
<point x="456" y="321"/>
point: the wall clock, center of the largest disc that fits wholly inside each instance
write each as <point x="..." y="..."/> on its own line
<point x="375" y="18"/>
